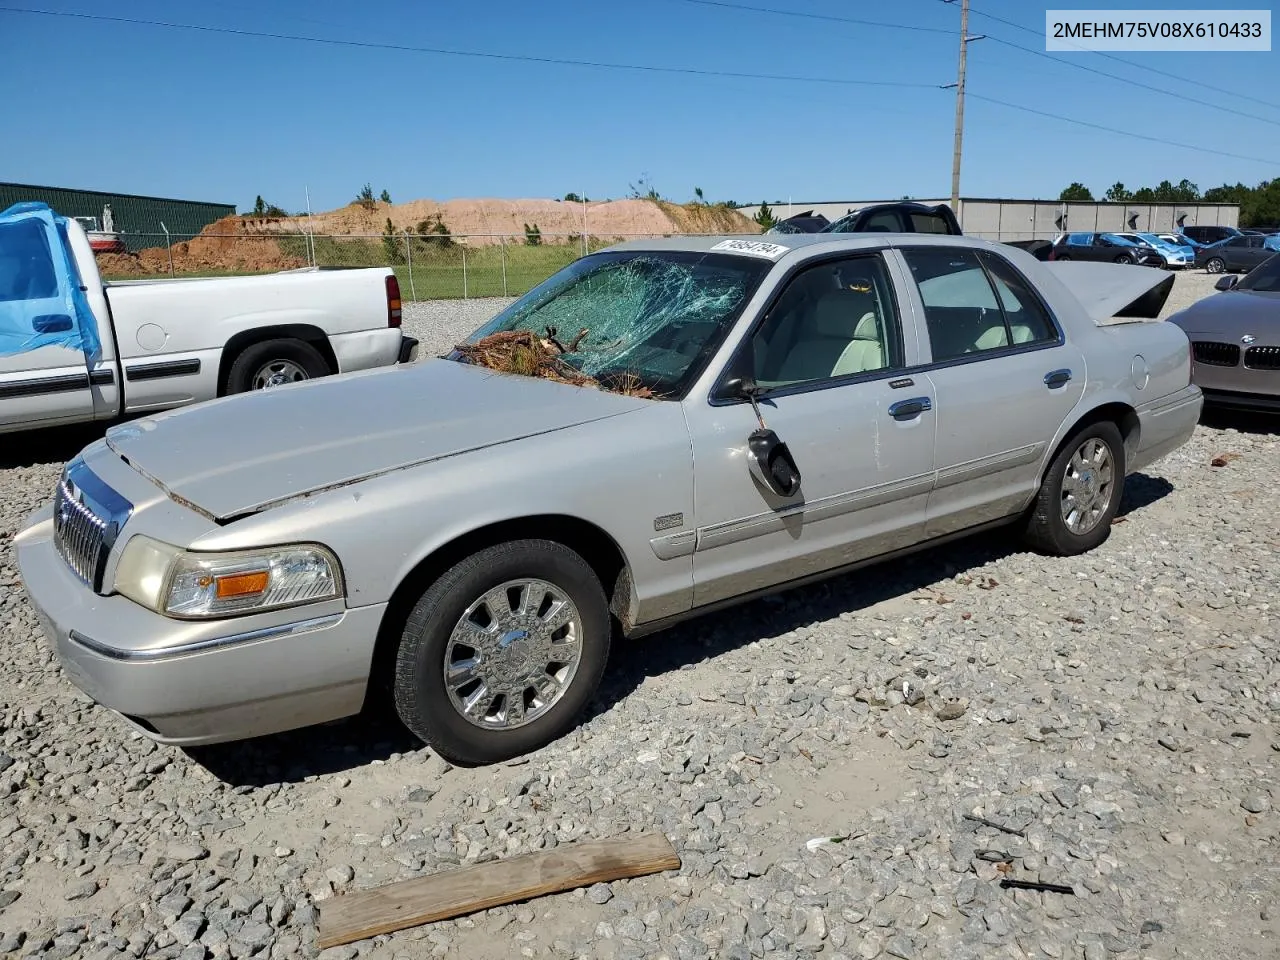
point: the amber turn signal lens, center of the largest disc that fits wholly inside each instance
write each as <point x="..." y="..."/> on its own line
<point x="242" y="584"/>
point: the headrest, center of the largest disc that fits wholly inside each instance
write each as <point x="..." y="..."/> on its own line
<point x="839" y="312"/>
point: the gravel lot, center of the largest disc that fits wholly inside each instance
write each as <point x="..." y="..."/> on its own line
<point x="1115" y="714"/>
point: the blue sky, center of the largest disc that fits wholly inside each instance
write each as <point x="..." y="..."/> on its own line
<point x="211" y="116"/>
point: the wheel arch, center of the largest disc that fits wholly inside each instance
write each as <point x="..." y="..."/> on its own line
<point x="241" y="341"/>
<point x="1122" y="414"/>
<point x="596" y="546"/>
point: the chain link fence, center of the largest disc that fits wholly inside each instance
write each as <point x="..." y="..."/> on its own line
<point x="428" y="267"/>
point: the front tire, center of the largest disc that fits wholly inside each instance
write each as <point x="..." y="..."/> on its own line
<point x="1080" y="493"/>
<point x="1216" y="265"/>
<point x="502" y="653"/>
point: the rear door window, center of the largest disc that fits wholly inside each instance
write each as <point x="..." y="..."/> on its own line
<point x="884" y="221"/>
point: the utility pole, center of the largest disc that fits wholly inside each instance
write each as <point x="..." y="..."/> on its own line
<point x="959" y="85"/>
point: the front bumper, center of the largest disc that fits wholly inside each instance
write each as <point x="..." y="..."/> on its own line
<point x="188" y="682"/>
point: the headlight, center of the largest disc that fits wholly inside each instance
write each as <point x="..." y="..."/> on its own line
<point x="188" y="585"/>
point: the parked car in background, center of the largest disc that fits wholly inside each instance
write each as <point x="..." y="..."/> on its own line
<point x="1183" y="242"/>
<point x="1210" y="234"/>
<point x="901" y="217"/>
<point x="273" y="559"/>
<point x="1108" y="247"/>
<point x="1175" y="256"/>
<point x="807" y="222"/>
<point x="1235" y="340"/>
<point x="1239" y="253"/>
<point x="73" y="348"/>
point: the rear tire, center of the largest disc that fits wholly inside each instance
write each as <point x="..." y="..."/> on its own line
<point x="1216" y="265"/>
<point x="1062" y="256"/>
<point x="1080" y="493"/>
<point x="283" y="361"/>
<point x="466" y="637"/>
<point x="1124" y="258"/>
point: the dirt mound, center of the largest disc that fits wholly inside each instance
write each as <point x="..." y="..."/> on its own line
<point x="485" y="221"/>
<point x="230" y="245"/>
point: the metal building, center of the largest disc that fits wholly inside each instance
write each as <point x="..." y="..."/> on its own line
<point x="133" y="215"/>
<point x="1001" y="219"/>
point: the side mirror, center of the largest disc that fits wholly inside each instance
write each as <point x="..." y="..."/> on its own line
<point x="768" y="458"/>
<point x="1227" y="282"/>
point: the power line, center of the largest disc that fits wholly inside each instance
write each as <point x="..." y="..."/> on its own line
<point x="725" y="4"/>
<point x="1234" y="94"/>
<point x="1123" y="133"/>
<point x="443" y="51"/>
<point x="821" y="16"/>
<point x="1133" y="83"/>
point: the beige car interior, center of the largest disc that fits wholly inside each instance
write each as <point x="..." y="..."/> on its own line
<point x="827" y="324"/>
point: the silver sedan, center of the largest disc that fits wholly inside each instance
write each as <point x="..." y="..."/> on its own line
<point x="722" y="417"/>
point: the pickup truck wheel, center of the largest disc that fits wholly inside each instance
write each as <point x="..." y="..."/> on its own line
<point x="274" y="363"/>
<point x="1080" y="493"/>
<point x="502" y="653"/>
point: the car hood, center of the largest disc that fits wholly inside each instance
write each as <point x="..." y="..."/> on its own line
<point x="241" y="454"/>
<point x="1109" y="290"/>
<point x="1231" y="315"/>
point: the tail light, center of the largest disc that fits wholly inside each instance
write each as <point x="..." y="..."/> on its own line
<point x="393" y="301"/>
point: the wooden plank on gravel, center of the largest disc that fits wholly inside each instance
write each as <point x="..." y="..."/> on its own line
<point x="408" y="903"/>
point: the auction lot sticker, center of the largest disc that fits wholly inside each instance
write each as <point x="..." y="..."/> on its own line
<point x="1182" y="31"/>
<point x="757" y="248"/>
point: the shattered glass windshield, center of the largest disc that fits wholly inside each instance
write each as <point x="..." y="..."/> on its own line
<point x="651" y="318"/>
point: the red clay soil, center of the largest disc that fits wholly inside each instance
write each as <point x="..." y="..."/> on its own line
<point x="229" y="245"/>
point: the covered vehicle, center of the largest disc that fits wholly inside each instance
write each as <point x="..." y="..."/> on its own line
<point x="659" y="429"/>
<point x="1235" y="340"/>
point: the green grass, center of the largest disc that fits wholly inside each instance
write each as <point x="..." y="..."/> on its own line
<point x="438" y="272"/>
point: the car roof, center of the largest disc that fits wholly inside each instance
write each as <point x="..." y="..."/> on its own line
<point x="804" y="243"/>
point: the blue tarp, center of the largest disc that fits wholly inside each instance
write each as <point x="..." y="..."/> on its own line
<point x="41" y="303"/>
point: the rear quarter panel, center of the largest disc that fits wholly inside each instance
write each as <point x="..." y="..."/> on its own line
<point x="1142" y="364"/>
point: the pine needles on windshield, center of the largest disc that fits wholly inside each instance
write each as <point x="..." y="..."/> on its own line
<point x="522" y="352"/>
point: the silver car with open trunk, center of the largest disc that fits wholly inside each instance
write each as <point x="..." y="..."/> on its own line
<point x="723" y="417"/>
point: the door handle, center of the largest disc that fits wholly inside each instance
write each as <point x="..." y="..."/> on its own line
<point x="1056" y="378"/>
<point x="906" y="409"/>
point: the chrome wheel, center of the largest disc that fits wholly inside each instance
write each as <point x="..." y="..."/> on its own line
<point x="1215" y="265"/>
<point x="1087" y="486"/>
<point x="512" y="654"/>
<point x="277" y="373"/>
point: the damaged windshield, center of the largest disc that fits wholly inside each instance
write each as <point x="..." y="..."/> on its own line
<point x="642" y="322"/>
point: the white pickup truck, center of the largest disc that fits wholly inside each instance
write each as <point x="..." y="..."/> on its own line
<point x="73" y="348"/>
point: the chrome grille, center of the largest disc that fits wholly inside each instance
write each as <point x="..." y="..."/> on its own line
<point x="77" y="533"/>
<point x="1216" y="354"/>
<point x="87" y="517"/>
<point x="1262" y="358"/>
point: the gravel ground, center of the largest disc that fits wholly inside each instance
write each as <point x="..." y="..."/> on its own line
<point x="1111" y="718"/>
